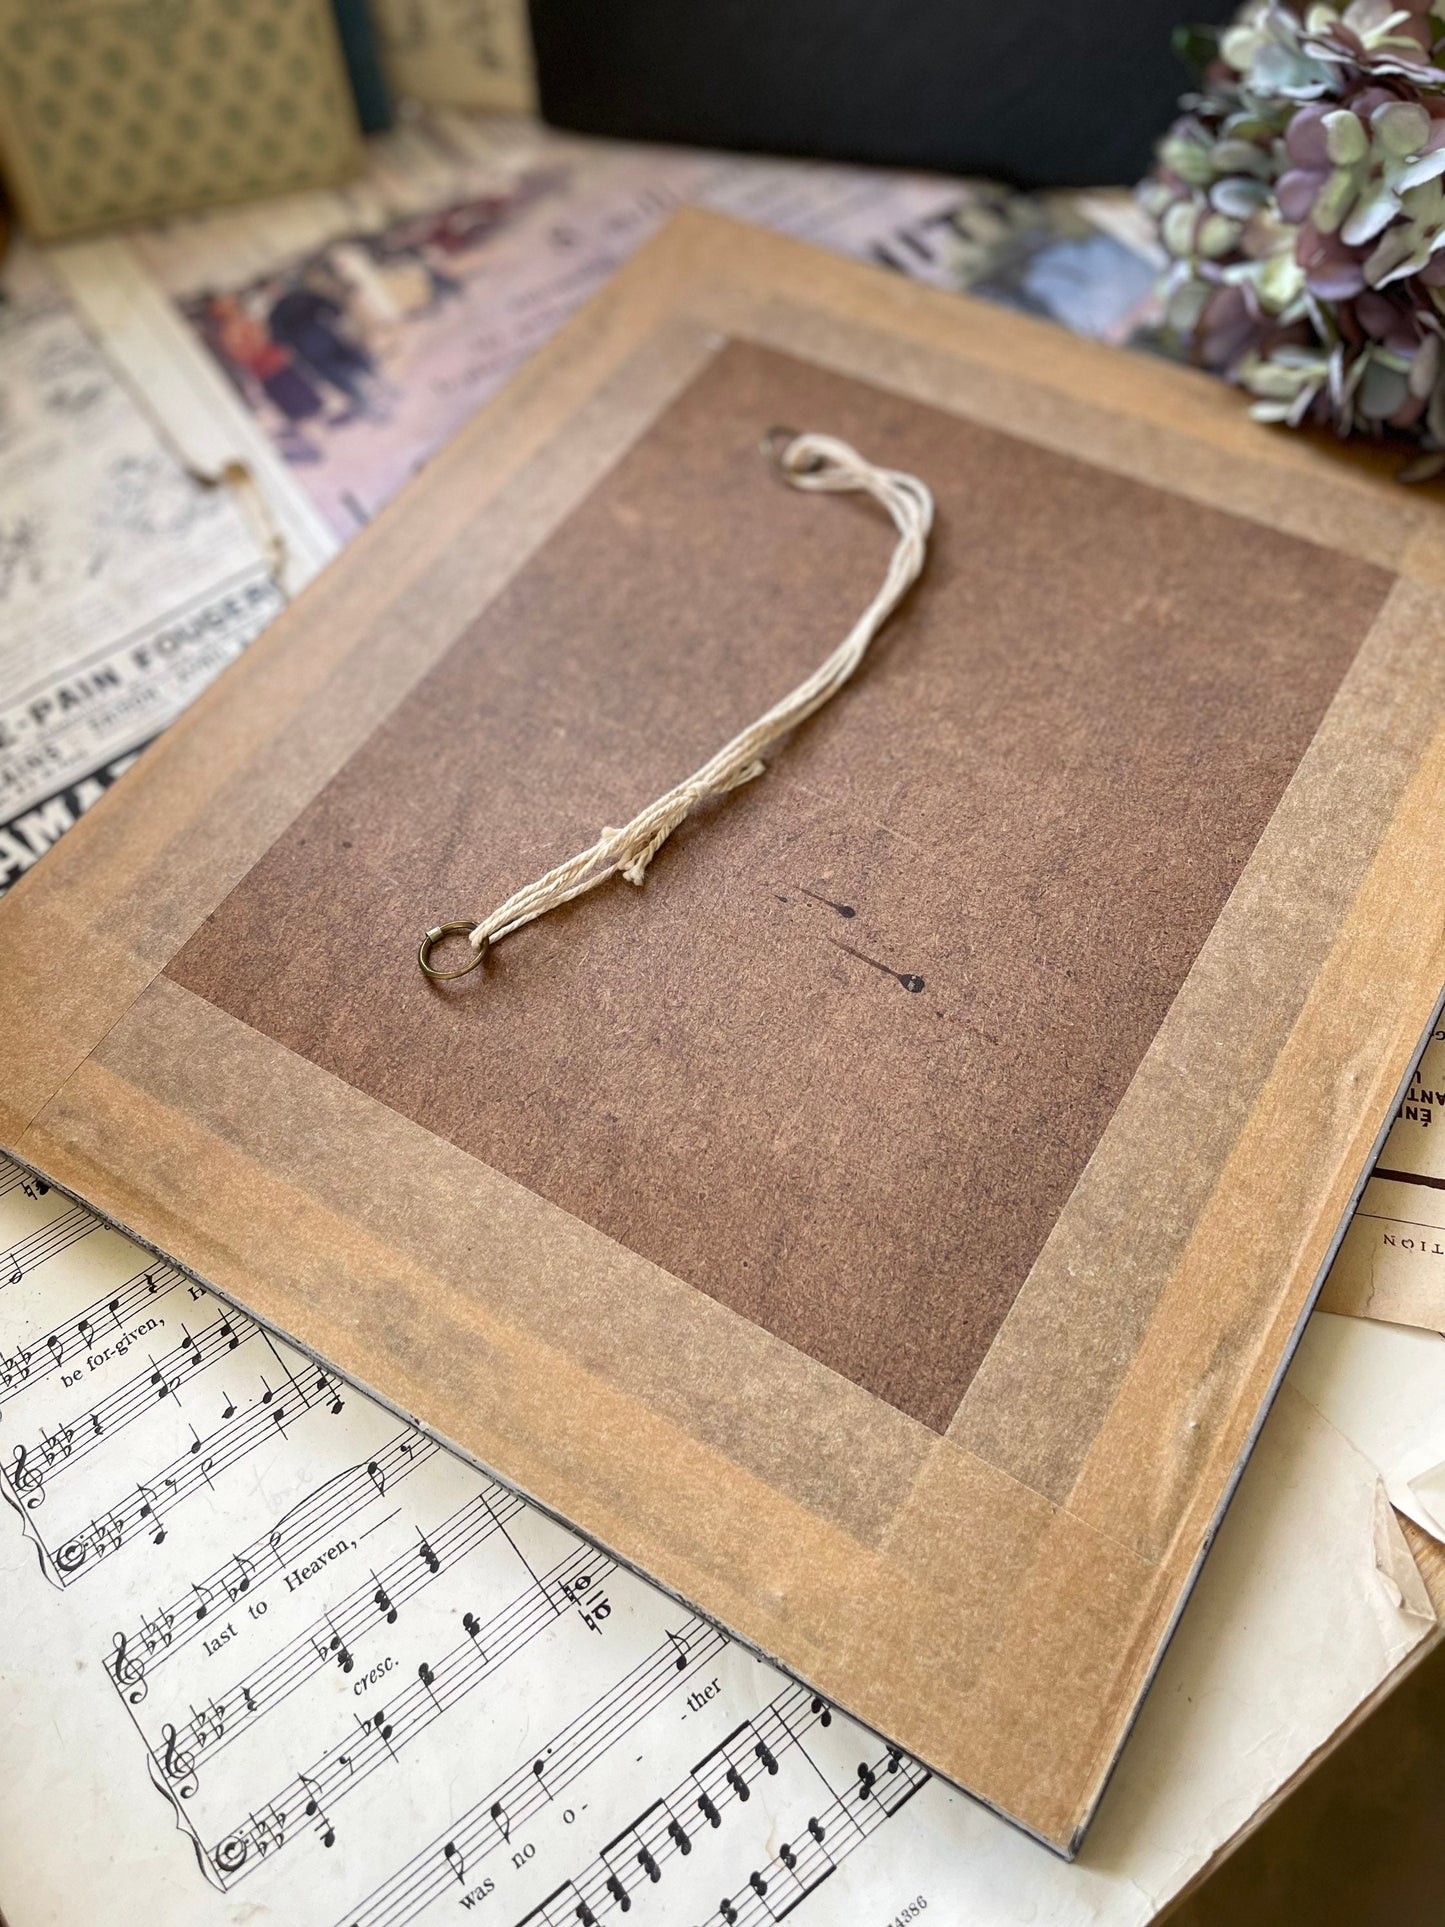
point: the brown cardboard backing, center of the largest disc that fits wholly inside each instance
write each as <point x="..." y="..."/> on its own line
<point x="843" y="1062"/>
<point x="994" y="1598"/>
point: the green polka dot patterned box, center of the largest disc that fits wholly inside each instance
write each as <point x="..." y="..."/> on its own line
<point x="123" y="110"/>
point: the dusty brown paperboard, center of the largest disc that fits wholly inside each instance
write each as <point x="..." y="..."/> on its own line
<point x="991" y="1586"/>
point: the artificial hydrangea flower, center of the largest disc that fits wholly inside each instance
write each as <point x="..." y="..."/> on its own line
<point x="1300" y="199"/>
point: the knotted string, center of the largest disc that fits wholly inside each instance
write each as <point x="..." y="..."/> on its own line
<point x="827" y="466"/>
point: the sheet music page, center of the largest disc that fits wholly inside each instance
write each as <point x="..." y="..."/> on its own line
<point x="275" y="1655"/>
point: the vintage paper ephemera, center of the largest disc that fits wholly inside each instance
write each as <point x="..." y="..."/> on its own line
<point x="309" y="1671"/>
<point x="759" y="1273"/>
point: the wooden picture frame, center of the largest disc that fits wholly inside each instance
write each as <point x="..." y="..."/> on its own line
<point x="1143" y="788"/>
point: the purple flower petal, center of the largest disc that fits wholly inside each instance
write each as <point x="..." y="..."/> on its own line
<point x="1304" y="138"/>
<point x="1296" y="191"/>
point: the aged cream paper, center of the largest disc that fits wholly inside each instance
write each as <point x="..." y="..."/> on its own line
<point x="276" y="1656"/>
<point x="125" y="583"/>
<point x="1391" y="1263"/>
<point x="1383" y="1387"/>
<point x="328" y="343"/>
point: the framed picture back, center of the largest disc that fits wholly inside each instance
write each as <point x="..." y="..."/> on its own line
<point x="887" y="1227"/>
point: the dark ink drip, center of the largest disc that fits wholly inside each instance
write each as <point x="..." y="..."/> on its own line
<point x="908" y="980"/>
<point x="843" y="909"/>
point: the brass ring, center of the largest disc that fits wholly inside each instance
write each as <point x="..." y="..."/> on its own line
<point x="434" y="937"/>
<point x="776" y="443"/>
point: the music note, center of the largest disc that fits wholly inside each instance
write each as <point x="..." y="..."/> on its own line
<point x="376" y="1475"/>
<point x="315" y="1811"/>
<point x="428" y="1679"/>
<point x="339" y="1647"/>
<point x="148" y="1505"/>
<point x="455" y="1859"/>
<point x="86" y="1332"/>
<point x="681" y="1645"/>
<point x="228" y="1333"/>
<point x="471" y="1626"/>
<point x="241" y="1581"/>
<point x="381" y="1599"/>
<point x="500" y="1820"/>
<point x="429" y="1558"/>
<point x="822" y="1712"/>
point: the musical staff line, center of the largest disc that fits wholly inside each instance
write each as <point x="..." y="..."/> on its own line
<point x="12" y="1178"/>
<point x="29" y="1364"/>
<point x="667" y="1829"/>
<point x="30" y="1253"/>
<point x="149" y="1501"/>
<point x="69" y="1444"/>
<point x="166" y="1634"/>
<point x="367" y="1609"/>
<point x="799" y="1868"/>
<point x="384" y="1733"/>
<point x="493" y="1819"/>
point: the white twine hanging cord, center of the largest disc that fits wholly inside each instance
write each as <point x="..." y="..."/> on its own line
<point x="828" y="467"/>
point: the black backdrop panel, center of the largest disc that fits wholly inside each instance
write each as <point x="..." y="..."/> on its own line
<point x="1038" y="92"/>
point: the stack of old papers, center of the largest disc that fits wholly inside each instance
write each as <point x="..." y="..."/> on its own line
<point x="329" y="1665"/>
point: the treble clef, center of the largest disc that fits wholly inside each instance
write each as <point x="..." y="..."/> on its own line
<point x="28" y="1478"/>
<point x="129" y="1670"/>
<point x="178" y="1766"/>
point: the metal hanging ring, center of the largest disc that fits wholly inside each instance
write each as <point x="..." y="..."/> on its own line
<point x="434" y="937"/>
<point x="775" y="445"/>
